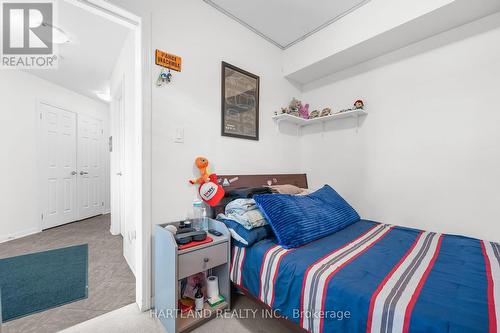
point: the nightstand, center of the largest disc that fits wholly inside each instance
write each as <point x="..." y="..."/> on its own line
<point x="172" y="265"/>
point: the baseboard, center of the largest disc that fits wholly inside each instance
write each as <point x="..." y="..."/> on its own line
<point x="24" y="233"/>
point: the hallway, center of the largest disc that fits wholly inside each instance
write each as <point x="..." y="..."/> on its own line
<point x="111" y="282"/>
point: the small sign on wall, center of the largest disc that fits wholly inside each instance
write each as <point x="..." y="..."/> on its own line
<point x="168" y="60"/>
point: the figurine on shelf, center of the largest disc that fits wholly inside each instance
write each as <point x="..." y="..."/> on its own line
<point x="304" y="111"/>
<point x="285" y="110"/>
<point x="326" y="112"/>
<point x="294" y="106"/>
<point x="314" y="114"/>
<point x="358" y="105"/>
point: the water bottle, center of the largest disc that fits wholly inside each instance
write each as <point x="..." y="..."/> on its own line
<point x="197" y="213"/>
<point x="204" y="219"/>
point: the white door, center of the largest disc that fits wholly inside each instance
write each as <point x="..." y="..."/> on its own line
<point x="58" y="166"/>
<point x="90" y="168"/>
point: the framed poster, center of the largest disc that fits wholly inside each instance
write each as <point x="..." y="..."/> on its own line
<point x="240" y="103"/>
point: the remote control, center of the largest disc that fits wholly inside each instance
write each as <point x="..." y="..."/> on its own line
<point x="214" y="232"/>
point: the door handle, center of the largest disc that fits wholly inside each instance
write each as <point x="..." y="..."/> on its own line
<point x="119" y="174"/>
<point x="83" y="173"/>
<point x="73" y="173"/>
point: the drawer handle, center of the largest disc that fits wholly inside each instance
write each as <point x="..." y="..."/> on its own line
<point x="206" y="260"/>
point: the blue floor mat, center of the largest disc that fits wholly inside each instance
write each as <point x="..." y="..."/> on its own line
<point x="39" y="281"/>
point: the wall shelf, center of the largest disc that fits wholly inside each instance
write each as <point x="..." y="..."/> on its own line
<point x="301" y="122"/>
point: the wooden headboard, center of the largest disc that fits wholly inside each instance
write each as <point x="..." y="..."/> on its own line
<point x="230" y="182"/>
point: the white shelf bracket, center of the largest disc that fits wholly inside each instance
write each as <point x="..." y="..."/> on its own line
<point x="322" y="129"/>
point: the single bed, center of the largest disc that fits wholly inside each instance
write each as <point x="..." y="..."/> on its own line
<point x="375" y="277"/>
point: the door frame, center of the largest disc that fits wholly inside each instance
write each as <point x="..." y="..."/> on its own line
<point x="116" y="228"/>
<point x="139" y="20"/>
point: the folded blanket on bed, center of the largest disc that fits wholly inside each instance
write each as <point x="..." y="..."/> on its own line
<point x="246" y="213"/>
<point x="244" y="237"/>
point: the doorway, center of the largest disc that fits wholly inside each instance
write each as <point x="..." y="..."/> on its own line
<point x="59" y="99"/>
<point x="140" y="183"/>
<point x="71" y="146"/>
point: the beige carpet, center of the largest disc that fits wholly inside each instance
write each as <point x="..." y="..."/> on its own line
<point x="111" y="283"/>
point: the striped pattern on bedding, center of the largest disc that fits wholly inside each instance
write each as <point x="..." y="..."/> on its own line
<point x="320" y="273"/>
<point x="392" y="303"/>
<point x="237" y="265"/>
<point x="269" y="271"/>
<point x="491" y="252"/>
<point x="390" y="279"/>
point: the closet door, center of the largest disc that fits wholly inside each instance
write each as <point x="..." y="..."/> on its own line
<point x="57" y="166"/>
<point x="90" y="168"/>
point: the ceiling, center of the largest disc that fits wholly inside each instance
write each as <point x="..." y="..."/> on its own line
<point x="285" y="22"/>
<point x="86" y="62"/>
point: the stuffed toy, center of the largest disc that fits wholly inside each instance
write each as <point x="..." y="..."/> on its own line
<point x="202" y="165"/>
<point x="326" y="112"/>
<point x="358" y="105"/>
<point x="304" y="111"/>
<point x="295" y="105"/>
<point x="209" y="190"/>
<point x="314" y="114"/>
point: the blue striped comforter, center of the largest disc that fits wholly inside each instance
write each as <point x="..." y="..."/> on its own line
<point x="372" y="277"/>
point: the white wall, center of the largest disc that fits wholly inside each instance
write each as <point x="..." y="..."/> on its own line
<point x="427" y="155"/>
<point x="203" y="37"/>
<point x="19" y="92"/>
<point x="372" y="19"/>
<point x="124" y="73"/>
<point x="424" y="157"/>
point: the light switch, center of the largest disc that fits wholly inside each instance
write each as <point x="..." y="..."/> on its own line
<point x="179" y="135"/>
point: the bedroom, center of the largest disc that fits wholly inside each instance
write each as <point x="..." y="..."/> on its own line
<point x="424" y="156"/>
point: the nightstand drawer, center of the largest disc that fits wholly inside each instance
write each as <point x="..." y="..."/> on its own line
<point x="198" y="261"/>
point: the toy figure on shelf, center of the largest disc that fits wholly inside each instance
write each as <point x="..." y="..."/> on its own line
<point x="209" y="189"/>
<point x="296" y="109"/>
<point x="295" y="105"/>
<point x="326" y="112"/>
<point x="314" y="114"/>
<point x="304" y="111"/>
<point x="282" y="111"/>
<point x="358" y="105"/>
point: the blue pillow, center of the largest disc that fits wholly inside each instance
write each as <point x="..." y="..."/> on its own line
<point x="243" y="237"/>
<point x="298" y="220"/>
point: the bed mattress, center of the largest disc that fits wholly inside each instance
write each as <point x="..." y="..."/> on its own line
<point x="373" y="277"/>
